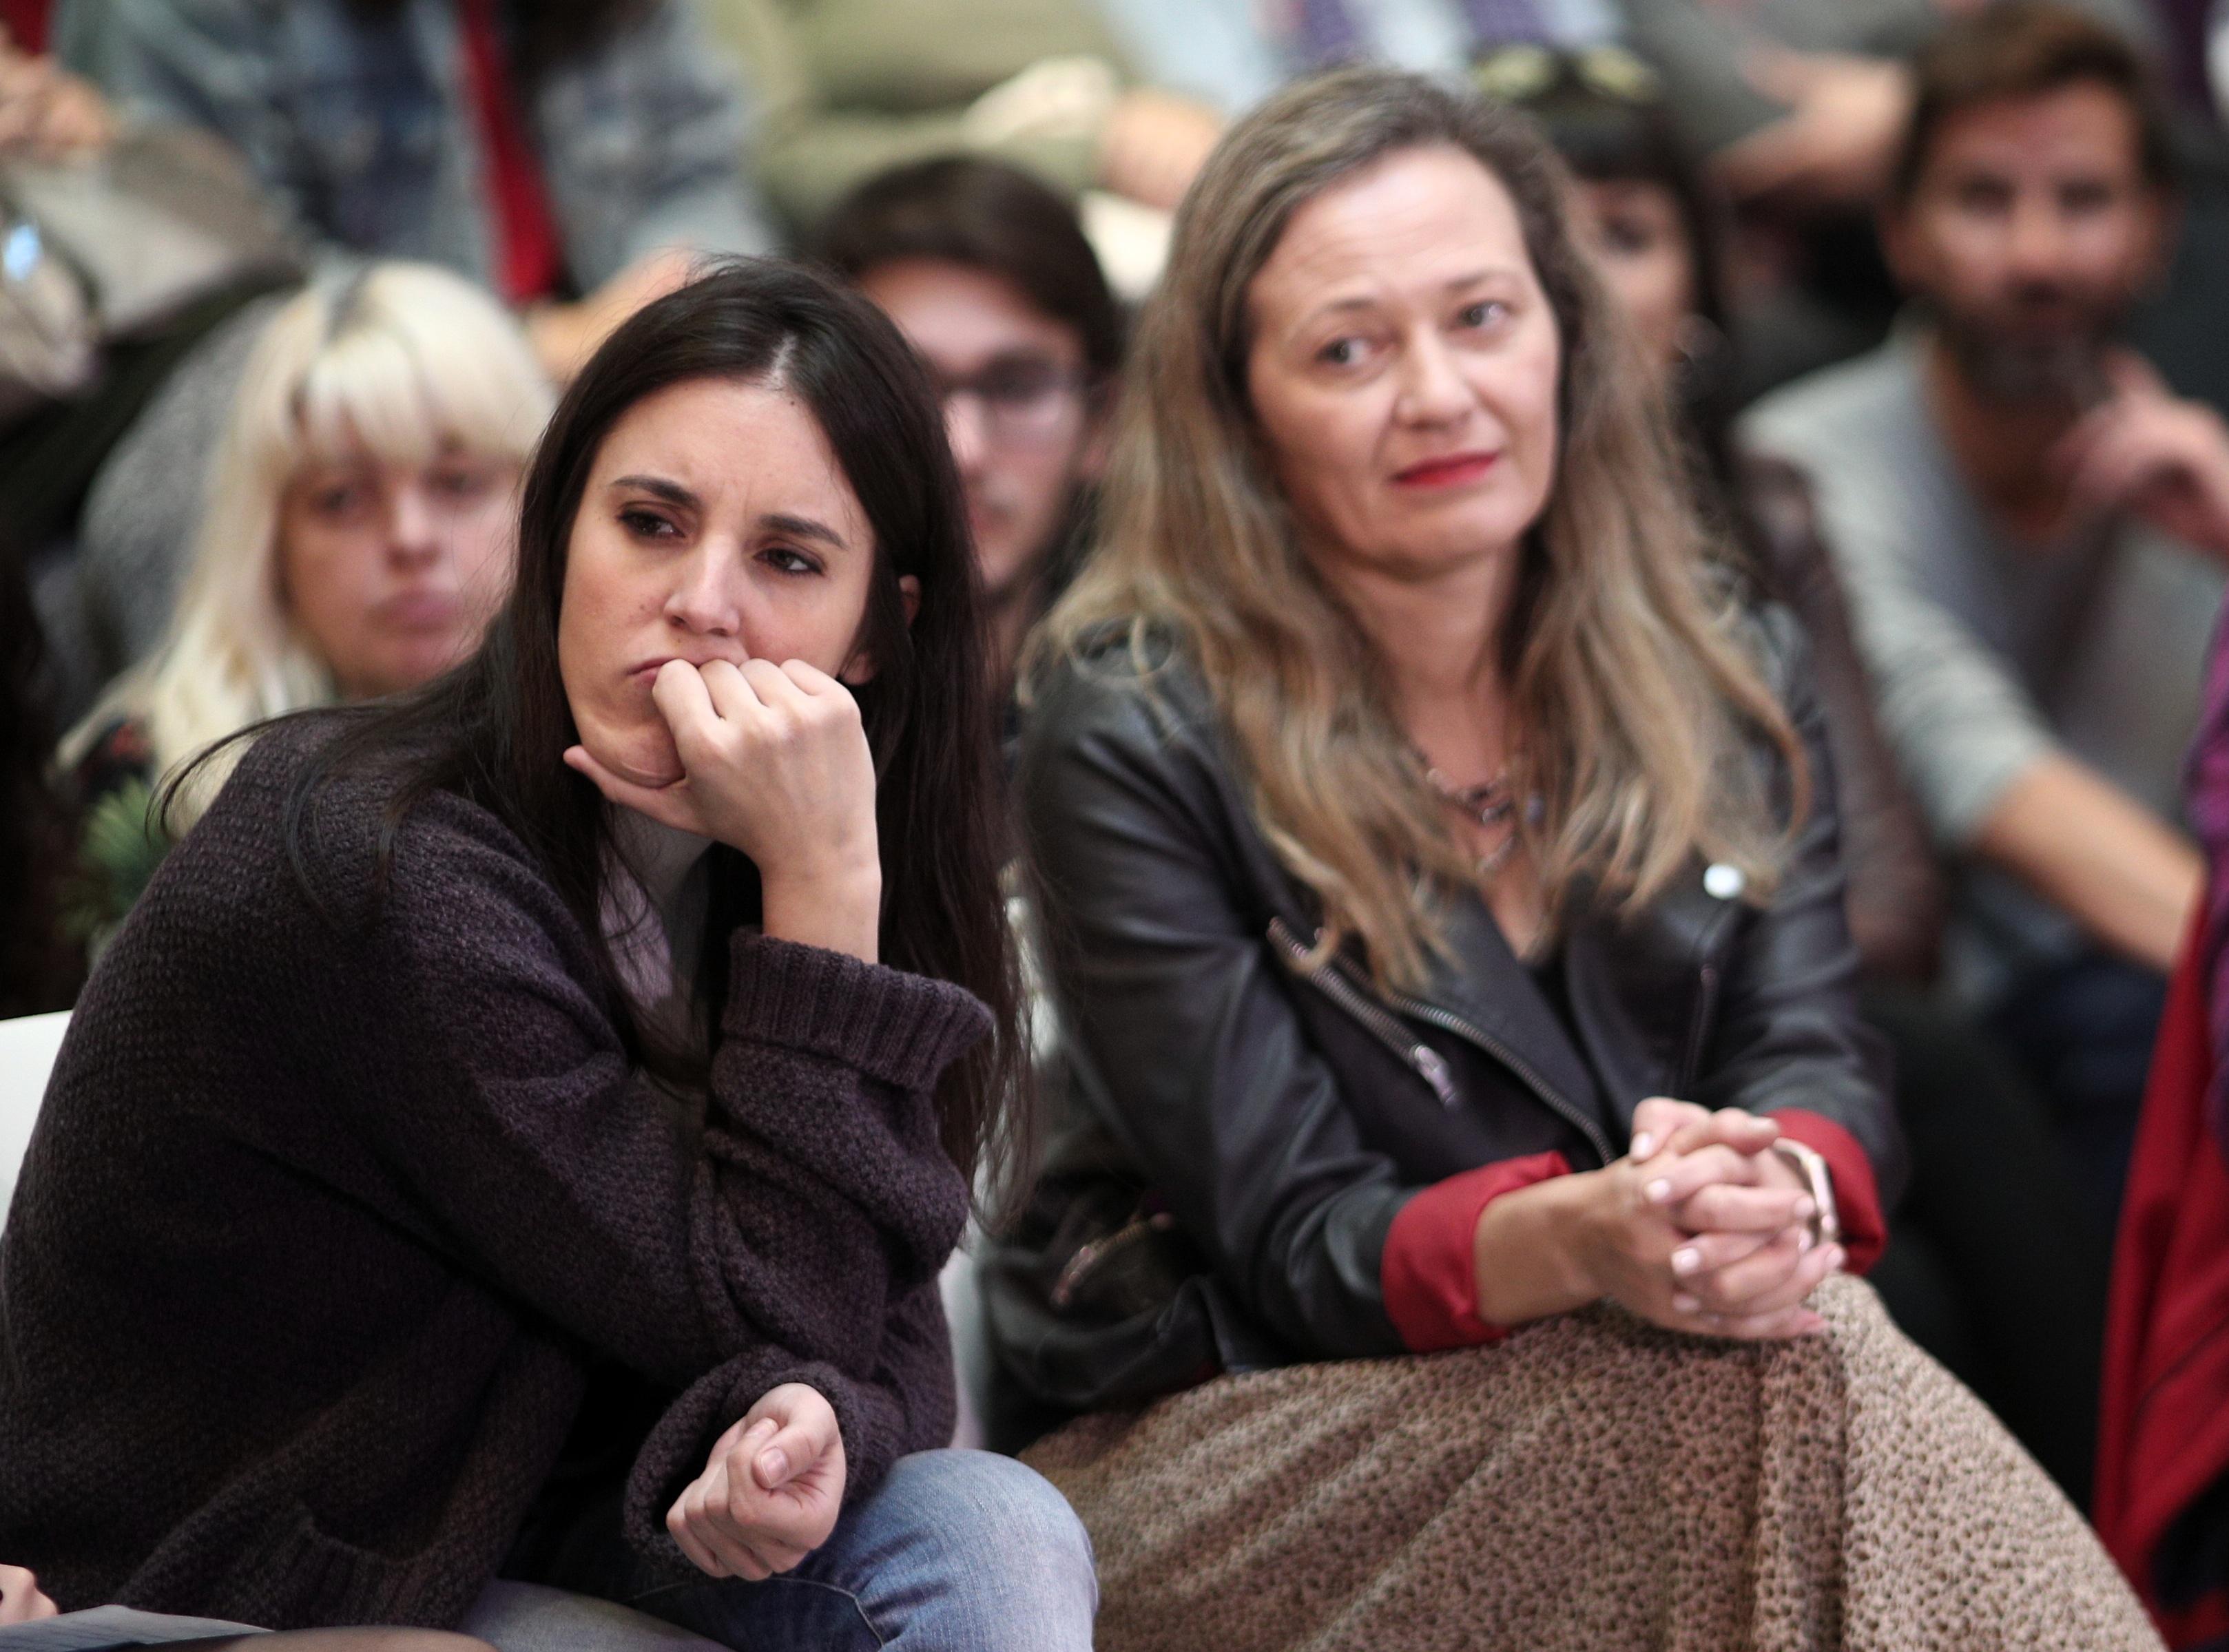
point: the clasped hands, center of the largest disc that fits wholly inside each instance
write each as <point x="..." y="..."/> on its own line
<point x="1704" y="1228"/>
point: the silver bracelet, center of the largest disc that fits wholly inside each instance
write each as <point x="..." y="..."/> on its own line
<point x="1826" y="1222"/>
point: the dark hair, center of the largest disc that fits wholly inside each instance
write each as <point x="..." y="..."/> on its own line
<point x="39" y="968"/>
<point x="494" y="729"/>
<point x="986" y="216"/>
<point x="1624" y="133"/>
<point x="2025" y="48"/>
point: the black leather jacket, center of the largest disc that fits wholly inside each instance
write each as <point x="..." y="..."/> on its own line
<point x="1234" y="1135"/>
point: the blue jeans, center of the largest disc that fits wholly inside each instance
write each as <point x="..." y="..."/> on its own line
<point x="956" y="1551"/>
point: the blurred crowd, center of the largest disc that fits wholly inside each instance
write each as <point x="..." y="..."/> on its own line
<point x="1928" y="292"/>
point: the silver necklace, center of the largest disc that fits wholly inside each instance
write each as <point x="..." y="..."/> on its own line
<point x="1491" y="803"/>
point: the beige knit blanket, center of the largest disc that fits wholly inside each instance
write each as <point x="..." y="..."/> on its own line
<point x="1591" y="1484"/>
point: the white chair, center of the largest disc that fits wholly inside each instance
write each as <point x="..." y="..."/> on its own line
<point x="27" y="1055"/>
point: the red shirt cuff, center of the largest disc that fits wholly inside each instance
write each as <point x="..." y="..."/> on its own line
<point x="1427" y="1270"/>
<point x="1857" y="1199"/>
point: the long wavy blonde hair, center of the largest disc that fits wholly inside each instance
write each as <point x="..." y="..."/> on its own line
<point x="1632" y="694"/>
<point x="396" y="359"/>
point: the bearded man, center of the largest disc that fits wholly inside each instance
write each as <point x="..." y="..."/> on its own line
<point x="2033" y="530"/>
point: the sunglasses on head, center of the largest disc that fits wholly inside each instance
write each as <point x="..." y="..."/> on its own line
<point x="1523" y="73"/>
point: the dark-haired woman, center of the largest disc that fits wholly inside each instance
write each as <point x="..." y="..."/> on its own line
<point x="463" y="1162"/>
<point x="1439" y="880"/>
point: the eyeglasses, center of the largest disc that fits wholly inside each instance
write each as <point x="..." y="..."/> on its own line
<point x="1024" y="399"/>
<point x="1522" y="72"/>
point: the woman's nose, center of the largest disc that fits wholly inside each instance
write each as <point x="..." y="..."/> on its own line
<point x="412" y="533"/>
<point x="708" y="600"/>
<point x="965" y="421"/>
<point x="1433" y="390"/>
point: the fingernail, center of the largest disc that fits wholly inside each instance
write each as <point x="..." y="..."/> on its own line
<point x="1659" y="1192"/>
<point x="1835" y="1257"/>
<point x="1687" y="1260"/>
<point x="1804" y="1209"/>
<point x="774" y="1465"/>
<point x="1685" y="1303"/>
<point x="1643" y="1145"/>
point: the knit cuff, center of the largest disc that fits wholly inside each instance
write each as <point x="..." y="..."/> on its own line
<point x="903" y="1029"/>
<point x="675" y="1450"/>
<point x="1426" y="1270"/>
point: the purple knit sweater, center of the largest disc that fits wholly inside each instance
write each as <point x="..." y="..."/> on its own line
<point x="323" y="1225"/>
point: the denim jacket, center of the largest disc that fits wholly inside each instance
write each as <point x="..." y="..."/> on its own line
<point x="367" y="131"/>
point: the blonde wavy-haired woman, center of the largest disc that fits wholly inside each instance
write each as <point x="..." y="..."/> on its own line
<point x="1439" y="882"/>
<point x="356" y="540"/>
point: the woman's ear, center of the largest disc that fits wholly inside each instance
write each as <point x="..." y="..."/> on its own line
<point x="860" y="668"/>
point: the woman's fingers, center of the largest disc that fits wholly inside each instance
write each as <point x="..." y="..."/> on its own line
<point x="1732" y="1127"/>
<point x="803" y="1440"/>
<point x="1742" y="1286"/>
<point x="674" y="805"/>
<point x="728" y="689"/>
<point x="1725" y="1208"/>
<point x="21" y="1599"/>
<point x="689" y="1525"/>
<point x="811" y="680"/>
<point x="1656" y="1119"/>
<point x="1668" y="1181"/>
<point x="1781" y="1276"/>
<point x="680" y="693"/>
<point x="1706" y="1253"/>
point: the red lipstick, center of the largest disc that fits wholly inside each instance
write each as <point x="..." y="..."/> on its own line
<point x="1449" y="470"/>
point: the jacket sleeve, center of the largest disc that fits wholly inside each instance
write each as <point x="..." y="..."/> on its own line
<point x="1182" y="1033"/>
<point x="696" y="188"/>
<point x="811" y="152"/>
<point x="508" y="1126"/>
<point x="1787" y="1038"/>
<point x="209" y="64"/>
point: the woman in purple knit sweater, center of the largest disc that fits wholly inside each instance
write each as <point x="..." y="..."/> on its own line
<point x="519" y="1132"/>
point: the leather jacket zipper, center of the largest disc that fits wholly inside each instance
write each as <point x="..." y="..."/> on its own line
<point x="1349" y="997"/>
<point x="1501" y="1052"/>
<point x="1698" y="1028"/>
<point x="1428" y="1063"/>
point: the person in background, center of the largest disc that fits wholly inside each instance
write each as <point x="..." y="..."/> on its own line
<point x="44" y="109"/>
<point x="2163" y="1458"/>
<point x="572" y="1074"/>
<point x="569" y="158"/>
<point x="850" y="89"/>
<point x="1990" y="1267"/>
<point x="356" y="540"/>
<point x="1231" y="53"/>
<point x="988" y="274"/>
<point x="1445" y="922"/>
<point x="2030" y="529"/>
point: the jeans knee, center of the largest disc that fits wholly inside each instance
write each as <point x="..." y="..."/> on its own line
<point x="1000" y="1507"/>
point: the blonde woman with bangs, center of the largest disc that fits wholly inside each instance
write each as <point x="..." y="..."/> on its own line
<point x="1439" y="886"/>
<point x="357" y="537"/>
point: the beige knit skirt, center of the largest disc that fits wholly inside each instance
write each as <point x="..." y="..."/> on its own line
<point x="1590" y="1483"/>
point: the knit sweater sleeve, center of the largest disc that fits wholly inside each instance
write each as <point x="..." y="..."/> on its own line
<point x="787" y="1240"/>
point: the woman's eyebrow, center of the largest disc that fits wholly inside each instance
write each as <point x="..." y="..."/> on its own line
<point x="660" y="487"/>
<point x="803" y="528"/>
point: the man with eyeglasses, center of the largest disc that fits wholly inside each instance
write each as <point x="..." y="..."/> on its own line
<point x="987" y="273"/>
